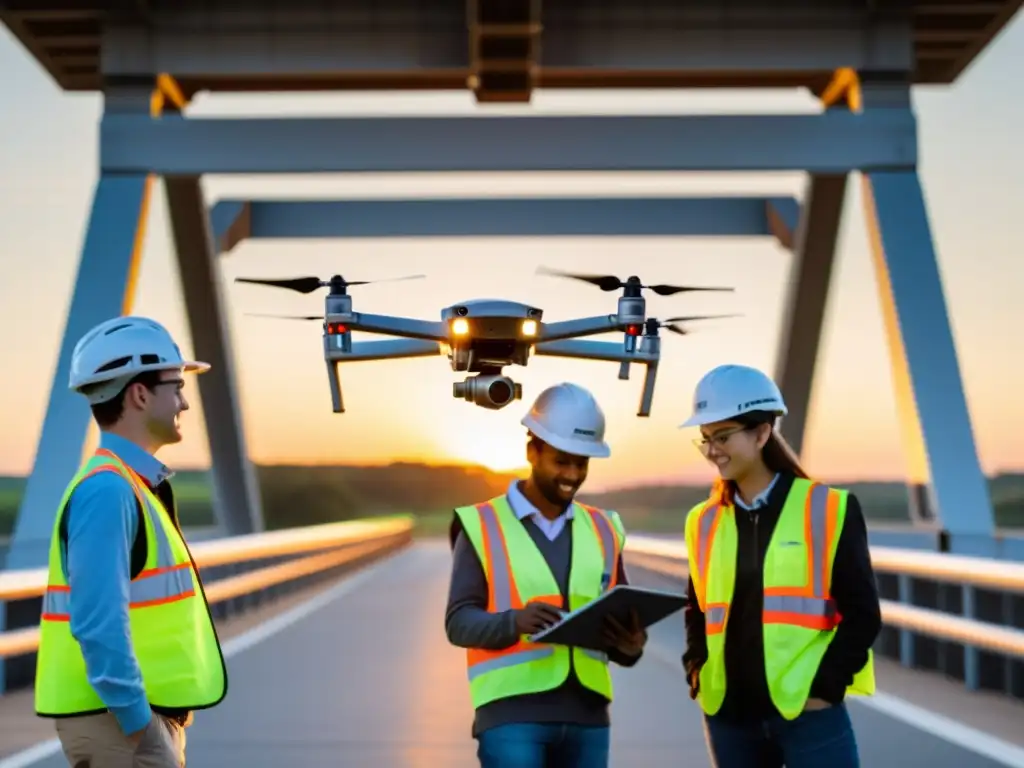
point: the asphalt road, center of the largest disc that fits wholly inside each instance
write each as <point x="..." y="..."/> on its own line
<point x="367" y="679"/>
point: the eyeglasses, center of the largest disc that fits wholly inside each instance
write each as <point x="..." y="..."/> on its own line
<point x="718" y="440"/>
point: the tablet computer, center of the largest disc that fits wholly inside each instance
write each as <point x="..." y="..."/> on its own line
<point x="584" y="627"/>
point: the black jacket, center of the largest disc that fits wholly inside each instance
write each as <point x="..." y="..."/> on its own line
<point x="853" y="588"/>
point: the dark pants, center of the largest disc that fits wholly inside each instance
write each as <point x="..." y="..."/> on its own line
<point x="543" y="745"/>
<point x="821" y="737"/>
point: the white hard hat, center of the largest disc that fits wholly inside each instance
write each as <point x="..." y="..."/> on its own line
<point x="728" y="391"/>
<point x="117" y="350"/>
<point x="567" y="417"/>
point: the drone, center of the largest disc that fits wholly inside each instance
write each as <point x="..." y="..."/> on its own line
<point x="483" y="336"/>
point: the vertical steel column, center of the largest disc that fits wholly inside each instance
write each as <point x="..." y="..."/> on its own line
<point x="807" y="297"/>
<point x="237" y="501"/>
<point x="104" y="287"/>
<point x="947" y="484"/>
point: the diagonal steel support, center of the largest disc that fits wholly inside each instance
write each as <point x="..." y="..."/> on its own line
<point x="806" y="300"/>
<point x="947" y="483"/>
<point x="236" y="493"/>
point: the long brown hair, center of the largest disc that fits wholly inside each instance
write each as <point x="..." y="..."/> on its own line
<point x="777" y="455"/>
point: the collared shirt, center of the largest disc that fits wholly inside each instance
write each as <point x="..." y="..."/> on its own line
<point x="102" y="525"/>
<point x="760" y="500"/>
<point x="522" y="508"/>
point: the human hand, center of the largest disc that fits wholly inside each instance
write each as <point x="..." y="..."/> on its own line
<point x="536" y="617"/>
<point x="693" y="677"/>
<point x="135" y="738"/>
<point x="813" y="705"/>
<point x="629" y="640"/>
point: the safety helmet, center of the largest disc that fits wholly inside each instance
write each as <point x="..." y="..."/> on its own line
<point x="111" y="354"/>
<point x="567" y="417"/>
<point x="728" y="391"/>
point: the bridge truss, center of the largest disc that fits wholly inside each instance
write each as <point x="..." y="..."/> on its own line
<point x="859" y="58"/>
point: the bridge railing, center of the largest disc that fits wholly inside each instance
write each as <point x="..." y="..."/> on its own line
<point x="239" y="573"/>
<point x="978" y="638"/>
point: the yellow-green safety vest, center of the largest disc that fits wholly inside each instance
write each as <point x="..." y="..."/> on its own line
<point x="172" y="632"/>
<point x="799" y="617"/>
<point x="517" y="574"/>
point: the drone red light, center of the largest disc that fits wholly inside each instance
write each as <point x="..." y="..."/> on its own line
<point x="336" y="329"/>
<point x="632" y="330"/>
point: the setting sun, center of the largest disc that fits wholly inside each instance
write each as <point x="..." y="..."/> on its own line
<point x="493" y="451"/>
<point x="495" y="454"/>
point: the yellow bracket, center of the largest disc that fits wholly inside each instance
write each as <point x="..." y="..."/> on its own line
<point x="167" y="89"/>
<point x="845" y="85"/>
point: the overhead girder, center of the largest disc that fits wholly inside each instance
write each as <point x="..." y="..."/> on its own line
<point x="233" y="221"/>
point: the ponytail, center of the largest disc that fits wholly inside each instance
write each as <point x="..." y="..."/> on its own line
<point x="779" y="457"/>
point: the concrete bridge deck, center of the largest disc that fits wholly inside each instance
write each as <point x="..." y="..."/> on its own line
<point x="360" y="674"/>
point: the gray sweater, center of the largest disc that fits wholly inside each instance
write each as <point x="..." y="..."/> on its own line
<point x="469" y="625"/>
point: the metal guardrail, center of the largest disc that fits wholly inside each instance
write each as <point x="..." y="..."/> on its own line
<point x="670" y="557"/>
<point x="304" y="551"/>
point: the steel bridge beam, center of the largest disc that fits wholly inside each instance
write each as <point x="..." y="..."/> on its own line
<point x="105" y="287"/>
<point x="236" y="493"/>
<point x="237" y="220"/>
<point x="807" y="293"/>
<point x="576" y="39"/>
<point x="948" y="487"/>
<point x="836" y="141"/>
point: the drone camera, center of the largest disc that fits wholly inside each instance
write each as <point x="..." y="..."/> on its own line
<point x="488" y="391"/>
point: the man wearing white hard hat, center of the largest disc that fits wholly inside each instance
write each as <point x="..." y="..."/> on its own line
<point x="127" y="646"/>
<point x="516" y="559"/>
<point x="783" y="607"/>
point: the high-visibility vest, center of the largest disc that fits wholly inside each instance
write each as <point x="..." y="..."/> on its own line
<point x="172" y="632"/>
<point x="518" y="574"/>
<point x="799" y="616"/>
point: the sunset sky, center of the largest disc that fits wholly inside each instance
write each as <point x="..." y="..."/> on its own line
<point x="972" y="167"/>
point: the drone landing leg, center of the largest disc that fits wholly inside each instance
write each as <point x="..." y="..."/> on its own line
<point x="334" y="381"/>
<point x="811" y="276"/>
<point x="237" y="501"/>
<point x="647" y="395"/>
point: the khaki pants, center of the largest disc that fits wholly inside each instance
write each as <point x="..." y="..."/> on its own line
<point x="96" y="741"/>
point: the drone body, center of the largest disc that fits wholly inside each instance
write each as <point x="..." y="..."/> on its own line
<point x="483" y="336"/>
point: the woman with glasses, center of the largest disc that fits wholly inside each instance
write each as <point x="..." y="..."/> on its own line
<point x="783" y="602"/>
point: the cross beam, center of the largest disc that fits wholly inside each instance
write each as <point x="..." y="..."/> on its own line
<point x="235" y="220"/>
<point x="835" y="141"/>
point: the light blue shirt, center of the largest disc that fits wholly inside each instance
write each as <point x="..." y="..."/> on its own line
<point x="97" y="563"/>
<point x="758" y="501"/>
<point x="523" y="509"/>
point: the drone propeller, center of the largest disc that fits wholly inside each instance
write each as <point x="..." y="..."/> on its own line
<point x="612" y="283"/>
<point x="286" y="317"/>
<point x="310" y="284"/>
<point x="670" y="324"/>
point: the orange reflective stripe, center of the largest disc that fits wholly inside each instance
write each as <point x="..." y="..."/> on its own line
<point x="707" y="526"/>
<point x="502" y="595"/>
<point x="714" y="618"/>
<point x="165" y="583"/>
<point x="154" y="587"/>
<point x="609" y="545"/>
<point x="811" y="605"/>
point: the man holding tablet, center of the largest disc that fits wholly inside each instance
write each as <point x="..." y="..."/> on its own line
<point x="520" y="561"/>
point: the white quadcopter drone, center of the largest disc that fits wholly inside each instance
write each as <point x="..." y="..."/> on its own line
<point x="482" y="336"/>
